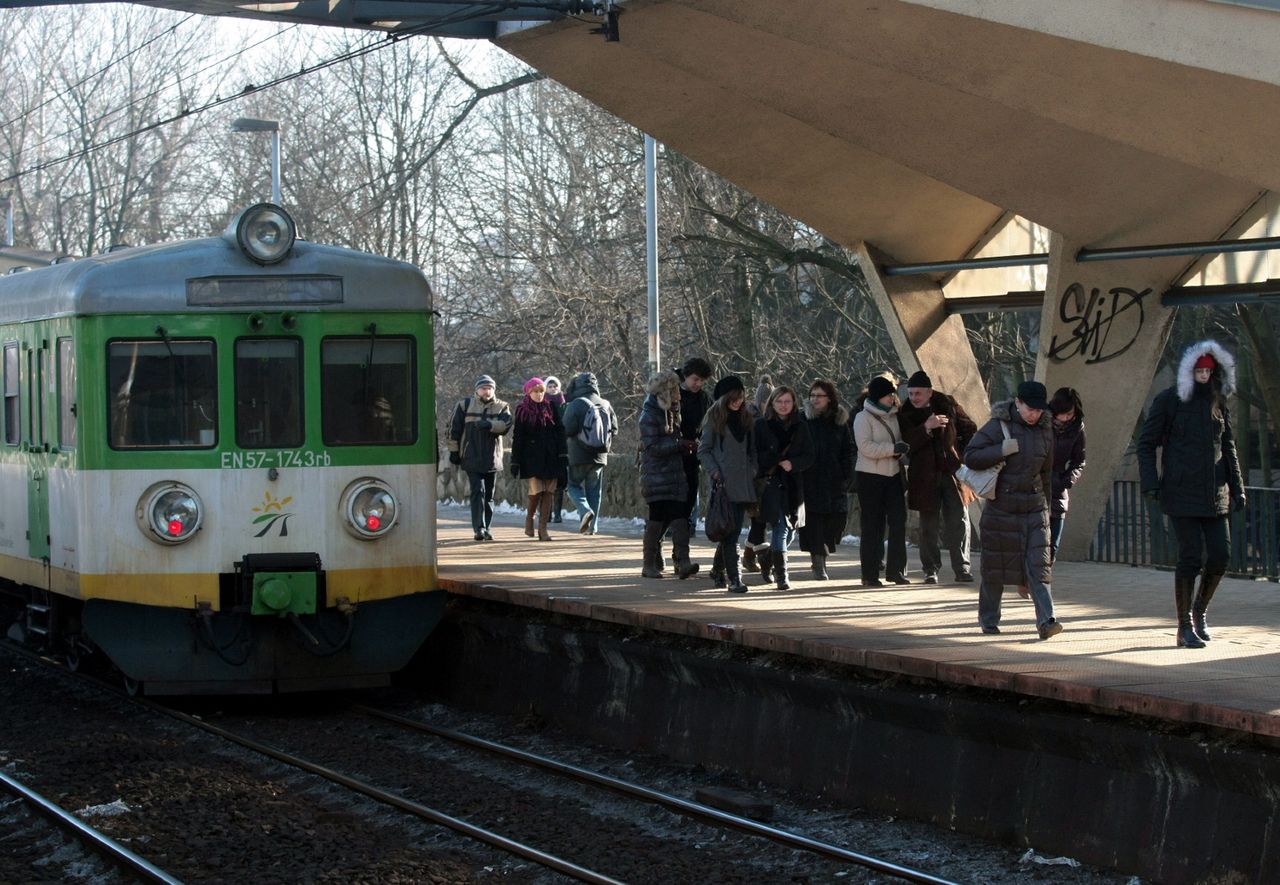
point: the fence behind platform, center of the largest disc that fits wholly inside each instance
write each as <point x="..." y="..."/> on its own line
<point x="1136" y="531"/>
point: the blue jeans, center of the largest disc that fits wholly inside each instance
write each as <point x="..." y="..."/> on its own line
<point x="989" y="596"/>
<point x="1055" y="532"/>
<point x="481" y="500"/>
<point x="780" y="535"/>
<point x="586" y="484"/>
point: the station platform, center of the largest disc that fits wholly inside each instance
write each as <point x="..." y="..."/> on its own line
<point x="1117" y="652"/>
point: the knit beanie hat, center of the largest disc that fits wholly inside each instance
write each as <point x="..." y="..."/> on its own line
<point x="919" y="379"/>
<point x="1033" y="394"/>
<point x="1206" y="362"/>
<point x="533" y="383"/>
<point x="727" y="384"/>
<point x="879" y="388"/>
<point x="484" y="380"/>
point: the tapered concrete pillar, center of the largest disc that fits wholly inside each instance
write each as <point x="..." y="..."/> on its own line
<point x="1102" y="331"/>
<point x="924" y="336"/>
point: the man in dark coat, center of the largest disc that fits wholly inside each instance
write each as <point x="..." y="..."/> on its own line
<point x="1200" y="480"/>
<point x="1015" y="524"/>
<point x="937" y="430"/>
<point x="475" y="444"/>
<point x="586" y="464"/>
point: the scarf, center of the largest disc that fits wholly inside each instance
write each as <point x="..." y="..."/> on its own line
<point x="535" y="414"/>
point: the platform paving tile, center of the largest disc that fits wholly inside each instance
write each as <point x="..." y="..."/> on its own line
<point x="1117" y="652"/>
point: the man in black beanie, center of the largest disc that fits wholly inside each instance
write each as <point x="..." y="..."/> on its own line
<point x="937" y="430"/>
<point x="694" y="402"/>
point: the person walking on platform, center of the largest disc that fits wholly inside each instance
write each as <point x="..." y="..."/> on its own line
<point x="755" y="553"/>
<point x="881" y="495"/>
<point x="662" y="476"/>
<point x="590" y="426"/>
<point x="937" y="430"/>
<point x="828" y="480"/>
<point x="1199" y="479"/>
<point x="555" y="396"/>
<point x="727" y="451"/>
<point x="1068" y="457"/>
<point x="1015" y="524"/>
<point x="475" y="444"/>
<point x="694" y="402"/>
<point x="537" y="453"/>
<point x="784" y="454"/>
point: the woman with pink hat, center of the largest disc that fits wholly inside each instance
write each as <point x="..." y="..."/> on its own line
<point x="537" y="453"/>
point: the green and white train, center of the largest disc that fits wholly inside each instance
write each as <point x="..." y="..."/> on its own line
<point x="217" y="462"/>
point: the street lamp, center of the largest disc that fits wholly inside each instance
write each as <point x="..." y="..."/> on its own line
<point x="249" y="124"/>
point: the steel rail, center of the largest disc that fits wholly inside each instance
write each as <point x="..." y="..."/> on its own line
<point x="408" y="805"/>
<point x="99" y="842"/>
<point x="683" y="806"/>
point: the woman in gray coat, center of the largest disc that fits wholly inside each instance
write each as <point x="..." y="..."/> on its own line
<point x="727" y="452"/>
<point x="1015" y="525"/>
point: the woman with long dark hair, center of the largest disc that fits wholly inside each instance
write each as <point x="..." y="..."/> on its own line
<point x="1199" y="479"/>
<point x="662" y="477"/>
<point x="1067" y="410"/>
<point x="785" y="453"/>
<point x="537" y="453"/>
<point x="828" y="480"/>
<point x="727" y="451"/>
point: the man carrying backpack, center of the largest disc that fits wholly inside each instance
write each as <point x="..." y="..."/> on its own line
<point x="475" y="444"/>
<point x="590" y="425"/>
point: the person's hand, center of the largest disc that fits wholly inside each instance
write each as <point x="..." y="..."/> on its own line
<point x="1009" y="447"/>
<point x="1238" y="502"/>
<point x="933" y="422"/>
<point x="900" y="449"/>
<point x="455" y="458"/>
<point x="785" y="465"/>
<point x="690" y="446"/>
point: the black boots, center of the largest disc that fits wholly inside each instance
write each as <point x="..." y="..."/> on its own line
<point x="557" y="504"/>
<point x="652" y="549"/>
<point x="528" y="516"/>
<point x="718" y="578"/>
<point x="731" y="572"/>
<point x="780" y="570"/>
<point x="764" y="557"/>
<point x="680" y="549"/>
<point x="1183" y="588"/>
<point x="818" y="562"/>
<point x="1208" y="586"/>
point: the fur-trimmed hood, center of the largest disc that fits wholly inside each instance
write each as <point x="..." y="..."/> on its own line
<point x="841" y="418"/>
<point x="1225" y="371"/>
<point x="665" y="388"/>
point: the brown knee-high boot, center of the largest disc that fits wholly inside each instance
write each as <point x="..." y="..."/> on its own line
<point x="544" y="516"/>
<point x="528" y="516"/>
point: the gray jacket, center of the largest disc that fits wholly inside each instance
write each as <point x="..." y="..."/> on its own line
<point x="735" y="461"/>
<point x="584" y="389"/>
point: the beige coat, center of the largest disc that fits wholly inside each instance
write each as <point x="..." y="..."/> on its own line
<point x="876" y="439"/>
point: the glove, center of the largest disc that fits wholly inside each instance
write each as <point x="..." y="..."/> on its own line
<point x="901" y="448"/>
<point x="1009" y="447"/>
<point x="455" y="458"/>
<point x="1238" y="502"/>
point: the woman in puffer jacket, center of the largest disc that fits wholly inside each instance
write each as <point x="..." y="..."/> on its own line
<point x="785" y="453"/>
<point x="881" y="492"/>
<point x="1200" y="479"/>
<point x="1015" y="525"/>
<point x="662" y="477"/>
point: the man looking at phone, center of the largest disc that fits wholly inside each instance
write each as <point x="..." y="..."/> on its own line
<point x="937" y="430"/>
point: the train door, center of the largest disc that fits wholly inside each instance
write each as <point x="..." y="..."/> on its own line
<point x="37" y="367"/>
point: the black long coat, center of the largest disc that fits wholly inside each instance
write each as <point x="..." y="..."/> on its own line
<point x="661" y="460"/>
<point x="782" y="492"/>
<point x="827" y="481"/>
<point x="1015" y="525"/>
<point x="1068" y="463"/>
<point x="933" y="454"/>
<point x="1199" y="468"/>
<point x="538" y="450"/>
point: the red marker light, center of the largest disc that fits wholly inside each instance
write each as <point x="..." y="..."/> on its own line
<point x="374" y="523"/>
<point x="175" y="527"/>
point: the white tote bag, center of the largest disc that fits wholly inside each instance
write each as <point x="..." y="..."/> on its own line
<point x="983" y="482"/>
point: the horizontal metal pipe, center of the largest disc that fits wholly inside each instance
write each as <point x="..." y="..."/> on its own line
<point x="1212" y="247"/>
<point x="1010" y="301"/>
<point x="902" y="270"/>
<point x="1229" y="293"/>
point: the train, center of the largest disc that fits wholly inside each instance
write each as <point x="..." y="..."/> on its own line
<point x="218" y="461"/>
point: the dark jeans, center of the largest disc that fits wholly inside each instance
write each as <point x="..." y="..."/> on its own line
<point x="691" y="467"/>
<point x="883" y="502"/>
<point x="727" y="549"/>
<point x="1055" y="533"/>
<point x="481" y="500"/>
<point x="1198" y="536"/>
<point x="948" y="525"/>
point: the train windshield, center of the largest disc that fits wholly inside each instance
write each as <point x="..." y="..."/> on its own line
<point x="367" y="391"/>
<point x="162" y="394"/>
<point x="269" y="393"/>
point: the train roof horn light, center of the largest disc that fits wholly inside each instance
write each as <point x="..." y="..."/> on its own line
<point x="265" y="233"/>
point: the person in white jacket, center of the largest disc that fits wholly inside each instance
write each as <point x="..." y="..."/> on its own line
<point x="881" y="491"/>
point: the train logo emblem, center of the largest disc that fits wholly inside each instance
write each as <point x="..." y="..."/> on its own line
<point x="272" y="513"/>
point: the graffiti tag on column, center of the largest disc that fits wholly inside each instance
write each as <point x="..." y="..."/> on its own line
<point x="1102" y="325"/>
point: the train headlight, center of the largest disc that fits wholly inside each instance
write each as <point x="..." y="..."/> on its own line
<point x="369" y="508"/>
<point x="265" y="233"/>
<point x="169" y="512"/>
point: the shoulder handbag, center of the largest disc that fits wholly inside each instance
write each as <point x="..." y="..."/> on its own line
<point x="983" y="482"/>
<point x="719" y="521"/>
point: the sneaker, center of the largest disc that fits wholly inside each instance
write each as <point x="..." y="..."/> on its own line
<point x="931" y="579"/>
<point x="964" y="577"/>
<point x="588" y="519"/>
<point x="1049" y="628"/>
<point x="479" y="536"/>
<point x="991" y="631"/>
<point x="487" y="535"/>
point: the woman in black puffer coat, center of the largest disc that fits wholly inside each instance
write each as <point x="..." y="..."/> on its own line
<point x="827" y="482"/>
<point x="1199" y="480"/>
<point x="1015" y="525"/>
<point x="1067" y="410"/>
<point x="785" y="453"/>
<point x="662" y="476"/>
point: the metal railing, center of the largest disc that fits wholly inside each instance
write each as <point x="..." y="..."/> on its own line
<point x="1136" y="531"/>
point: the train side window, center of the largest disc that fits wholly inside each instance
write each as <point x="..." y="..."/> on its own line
<point x="12" y="400"/>
<point x="367" y="391"/>
<point x="269" y="393"/>
<point x="43" y="377"/>
<point x="66" y="394"/>
<point x="162" y="394"/>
